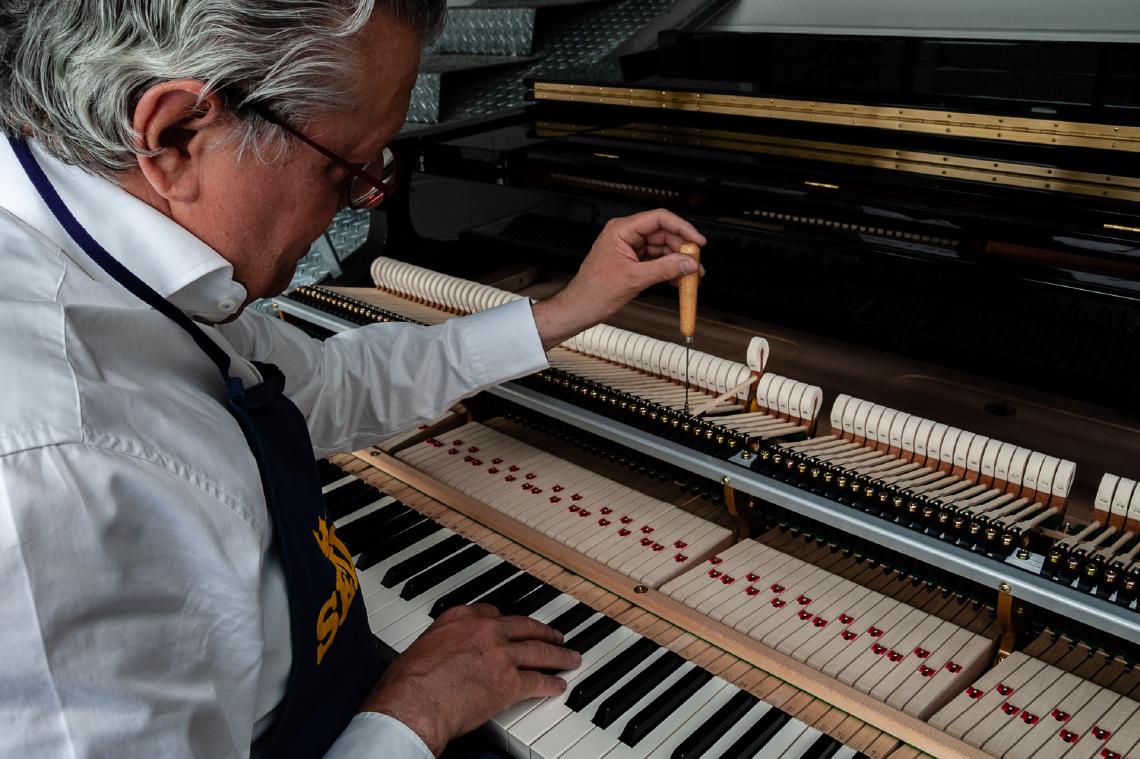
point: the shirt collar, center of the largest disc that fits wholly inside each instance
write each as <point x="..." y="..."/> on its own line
<point x="176" y="264"/>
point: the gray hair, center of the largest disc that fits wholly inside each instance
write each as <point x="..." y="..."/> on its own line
<point x="72" y="71"/>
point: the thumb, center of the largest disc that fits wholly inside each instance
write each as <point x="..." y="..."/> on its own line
<point x="666" y="268"/>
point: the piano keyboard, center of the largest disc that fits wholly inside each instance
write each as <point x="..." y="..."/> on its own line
<point x="644" y="688"/>
<point x="1031" y="706"/>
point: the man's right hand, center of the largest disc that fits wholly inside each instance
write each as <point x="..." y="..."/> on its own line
<point x="471" y="664"/>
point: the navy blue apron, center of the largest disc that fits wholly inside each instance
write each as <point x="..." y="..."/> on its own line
<point x="335" y="658"/>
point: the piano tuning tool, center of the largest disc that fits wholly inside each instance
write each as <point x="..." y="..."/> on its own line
<point x="696" y="642"/>
<point x="687" y="292"/>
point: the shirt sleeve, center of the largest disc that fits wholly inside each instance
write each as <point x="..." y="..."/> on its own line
<point x="371" y="382"/>
<point x="371" y="735"/>
<point x="129" y="620"/>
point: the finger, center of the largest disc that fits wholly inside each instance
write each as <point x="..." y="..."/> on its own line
<point x="670" y="241"/>
<point x="665" y="268"/>
<point x="535" y="684"/>
<point x="537" y="654"/>
<point x="525" y="628"/>
<point x="483" y="610"/>
<point x="638" y="227"/>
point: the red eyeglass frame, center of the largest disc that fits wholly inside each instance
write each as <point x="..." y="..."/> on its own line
<point x="381" y="187"/>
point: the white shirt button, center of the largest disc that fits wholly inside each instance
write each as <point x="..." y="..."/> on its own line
<point x="227" y="305"/>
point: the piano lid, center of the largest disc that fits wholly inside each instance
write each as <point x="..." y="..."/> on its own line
<point x="1061" y="20"/>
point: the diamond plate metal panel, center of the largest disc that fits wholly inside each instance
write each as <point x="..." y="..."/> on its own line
<point x="424" y="105"/>
<point x="348" y="231"/>
<point x="568" y="36"/>
<point x="488" y="31"/>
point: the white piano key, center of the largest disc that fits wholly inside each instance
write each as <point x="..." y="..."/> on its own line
<point x="500" y="722"/>
<point x="732" y="735"/>
<point x="552" y="609"/>
<point x="801" y="744"/>
<point x="575" y="725"/>
<point x="599" y="741"/>
<point x="381" y="501"/>
<point x="537" y="721"/>
<point x="674" y="729"/>
<point x="782" y="740"/>
<point x="338" y="483"/>
<point x="370" y="578"/>
<point x="414" y="613"/>
<point x="402" y="644"/>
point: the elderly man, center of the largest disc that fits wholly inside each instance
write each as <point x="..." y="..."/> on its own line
<point x="171" y="585"/>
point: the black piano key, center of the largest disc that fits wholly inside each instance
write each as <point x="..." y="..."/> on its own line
<point x="355" y="503"/>
<point x="711" y="730"/>
<point x="377" y="551"/>
<point x="755" y="737"/>
<point x="447" y="568"/>
<point x="636" y="689"/>
<point x="413" y="565"/>
<point x="591" y="636"/>
<point x="391" y="527"/>
<point x="329" y="473"/>
<point x="658" y="710"/>
<point x="603" y="678"/>
<point x="571" y="618"/>
<point x="358" y="533"/>
<point x="348" y="498"/>
<point x="532" y="602"/>
<point x="509" y="592"/>
<point x="824" y="747"/>
<point x="473" y="588"/>
<point x="348" y="490"/>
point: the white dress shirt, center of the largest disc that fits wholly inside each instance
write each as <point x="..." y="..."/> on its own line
<point x="142" y="613"/>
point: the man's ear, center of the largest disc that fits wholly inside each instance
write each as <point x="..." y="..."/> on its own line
<point x="175" y="131"/>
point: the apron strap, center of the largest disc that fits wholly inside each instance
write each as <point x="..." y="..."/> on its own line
<point x="107" y="262"/>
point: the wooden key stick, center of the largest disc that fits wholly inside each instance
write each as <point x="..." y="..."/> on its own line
<point x="688" y="292"/>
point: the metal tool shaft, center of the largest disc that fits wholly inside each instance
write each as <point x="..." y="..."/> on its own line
<point x="688" y="342"/>
<point x="688" y="295"/>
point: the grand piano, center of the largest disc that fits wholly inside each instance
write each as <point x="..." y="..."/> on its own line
<point x="902" y="516"/>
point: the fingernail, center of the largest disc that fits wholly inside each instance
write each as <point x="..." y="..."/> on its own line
<point x="690" y="266"/>
<point x="577" y="658"/>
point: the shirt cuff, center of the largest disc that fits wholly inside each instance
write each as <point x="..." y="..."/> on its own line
<point x="502" y="343"/>
<point x="371" y="735"/>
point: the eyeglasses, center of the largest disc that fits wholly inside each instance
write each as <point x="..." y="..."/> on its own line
<point x="369" y="182"/>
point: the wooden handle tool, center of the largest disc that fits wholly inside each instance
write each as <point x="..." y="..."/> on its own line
<point x="688" y="290"/>
<point x="688" y="293"/>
